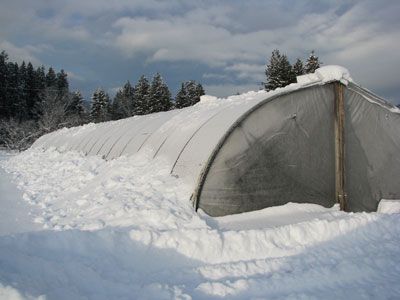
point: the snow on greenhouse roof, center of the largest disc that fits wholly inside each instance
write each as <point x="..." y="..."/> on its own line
<point x="326" y="74"/>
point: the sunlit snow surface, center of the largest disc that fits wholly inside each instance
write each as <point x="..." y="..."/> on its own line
<point x="124" y="229"/>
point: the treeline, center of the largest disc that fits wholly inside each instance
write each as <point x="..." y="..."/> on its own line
<point x="23" y="89"/>
<point x="280" y="72"/>
<point x="36" y="101"/>
<point x="144" y="97"/>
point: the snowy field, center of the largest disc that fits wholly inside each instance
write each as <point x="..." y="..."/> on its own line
<point x="85" y="228"/>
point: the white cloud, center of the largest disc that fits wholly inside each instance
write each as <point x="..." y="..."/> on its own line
<point x="351" y="39"/>
<point x="74" y="76"/>
<point x="231" y="40"/>
<point x="176" y="39"/>
<point x="251" y="72"/>
<point x="216" y="76"/>
<point x="19" y="54"/>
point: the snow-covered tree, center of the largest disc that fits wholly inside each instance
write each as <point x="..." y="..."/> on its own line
<point x="194" y="91"/>
<point x="159" y="96"/>
<point x="140" y="96"/>
<point x="279" y="72"/>
<point x="312" y="63"/>
<point x="181" y="97"/>
<point x="18" y="135"/>
<point x="123" y="105"/>
<point x="117" y="107"/>
<point x="100" y="106"/>
<point x="52" y="111"/>
<point x="189" y="94"/>
<point x="62" y="82"/>
<point x="75" y="105"/>
<point x="298" y="67"/>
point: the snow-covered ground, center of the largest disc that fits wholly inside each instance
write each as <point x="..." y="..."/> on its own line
<point x="124" y="229"/>
<point x="16" y="216"/>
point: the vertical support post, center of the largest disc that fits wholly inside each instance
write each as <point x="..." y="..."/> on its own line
<point x="339" y="146"/>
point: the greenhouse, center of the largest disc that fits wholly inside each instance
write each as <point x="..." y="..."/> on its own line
<point x="323" y="140"/>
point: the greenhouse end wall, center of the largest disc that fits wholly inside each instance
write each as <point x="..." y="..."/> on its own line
<point x="283" y="151"/>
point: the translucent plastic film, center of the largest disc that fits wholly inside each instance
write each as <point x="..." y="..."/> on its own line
<point x="372" y="148"/>
<point x="282" y="152"/>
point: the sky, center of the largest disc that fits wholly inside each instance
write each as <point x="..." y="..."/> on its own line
<point x="224" y="44"/>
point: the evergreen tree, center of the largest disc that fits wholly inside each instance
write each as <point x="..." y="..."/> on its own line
<point x="75" y="106"/>
<point x="15" y="93"/>
<point x="4" y="100"/>
<point x="181" y="97"/>
<point x="117" y="111"/>
<point x="51" y="78"/>
<point x="199" y="91"/>
<point x="117" y="106"/>
<point x="140" y="96"/>
<point x="298" y="67"/>
<point x="100" y="106"/>
<point x="189" y="94"/>
<point x="41" y="77"/>
<point x="312" y="63"/>
<point x="193" y="92"/>
<point x="279" y="72"/>
<point x="62" y="83"/>
<point x="123" y="105"/>
<point x="273" y="72"/>
<point x="128" y="99"/>
<point x="159" y="96"/>
<point x="32" y="91"/>
<point x="23" y="90"/>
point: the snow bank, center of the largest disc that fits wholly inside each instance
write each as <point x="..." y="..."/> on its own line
<point x="125" y="229"/>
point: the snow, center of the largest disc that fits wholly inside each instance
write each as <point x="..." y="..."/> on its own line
<point x="207" y="98"/>
<point x="16" y="216"/>
<point x="125" y="229"/>
<point x="332" y="73"/>
<point x="326" y="74"/>
<point x="275" y="216"/>
<point x="389" y="206"/>
<point x="82" y="227"/>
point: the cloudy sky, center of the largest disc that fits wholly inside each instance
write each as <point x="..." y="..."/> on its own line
<point x="222" y="44"/>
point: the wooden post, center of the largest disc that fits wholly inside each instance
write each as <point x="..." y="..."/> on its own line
<point x="339" y="146"/>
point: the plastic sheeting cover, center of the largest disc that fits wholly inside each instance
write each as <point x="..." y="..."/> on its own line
<point x="281" y="152"/>
<point x="372" y="150"/>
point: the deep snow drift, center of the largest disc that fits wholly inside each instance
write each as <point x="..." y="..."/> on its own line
<point x="125" y="229"/>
